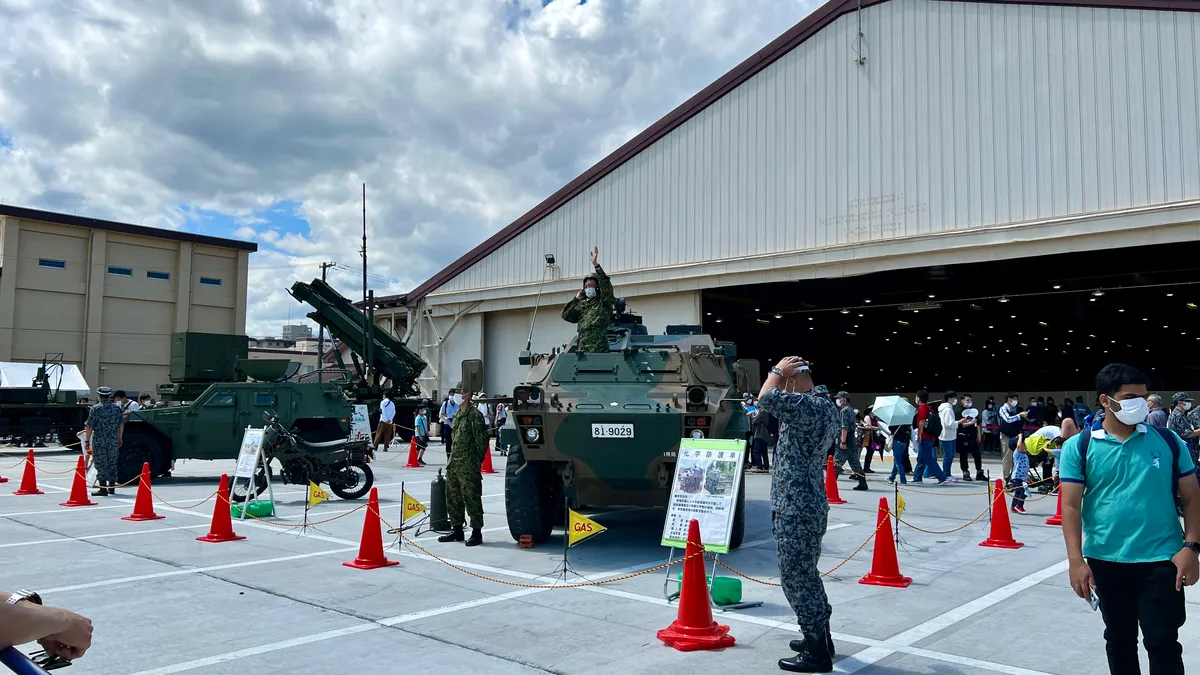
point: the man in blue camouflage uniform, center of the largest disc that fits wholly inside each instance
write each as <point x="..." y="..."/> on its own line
<point x="808" y="426"/>
<point x="104" y="431"/>
<point x="464" y="482"/>
<point x="592" y="309"/>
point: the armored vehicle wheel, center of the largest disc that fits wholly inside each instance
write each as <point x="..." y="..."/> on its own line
<point x="739" y="517"/>
<point x="353" y="482"/>
<point x="529" y="497"/>
<point x="240" y="487"/>
<point x="141" y="445"/>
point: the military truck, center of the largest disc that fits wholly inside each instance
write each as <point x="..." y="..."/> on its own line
<point x="209" y="382"/>
<point x="30" y="414"/>
<point x="606" y="427"/>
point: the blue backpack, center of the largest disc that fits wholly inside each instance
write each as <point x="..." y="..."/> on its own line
<point x="1168" y="437"/>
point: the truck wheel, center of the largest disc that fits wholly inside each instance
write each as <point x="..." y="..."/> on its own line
<point x="526" y="503"/>
<point x="739" y="517"/>
<point x="141" y="446"/>
<point x="355" y="481"/>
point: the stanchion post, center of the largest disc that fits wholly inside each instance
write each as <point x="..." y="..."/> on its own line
<point x="896" y="505"/>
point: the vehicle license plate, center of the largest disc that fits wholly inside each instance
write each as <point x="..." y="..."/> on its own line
<point x="612" y="431"/>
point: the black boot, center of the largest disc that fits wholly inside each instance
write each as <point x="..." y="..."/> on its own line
<point x="862" y="484"/>
<point x="476" y="537"/>
<point x="979" y="475"/>
<point x="798" y="645"/>
<point x="112" y="487"/>
<point x="814" y="657"/>
<point x="967" y="476"/>
<point x="456" y="535"/>
<point x="101" y="490"/>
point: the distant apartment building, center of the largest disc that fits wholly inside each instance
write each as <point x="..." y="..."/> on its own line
<point x="296" y="332"/>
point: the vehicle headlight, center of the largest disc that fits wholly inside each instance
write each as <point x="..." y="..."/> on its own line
<point x="532" y="435"/>
<point x="697" y="434"/>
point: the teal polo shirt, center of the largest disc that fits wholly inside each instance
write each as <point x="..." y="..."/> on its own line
<point x="1128" y="505"/>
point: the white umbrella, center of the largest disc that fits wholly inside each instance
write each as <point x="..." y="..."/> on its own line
<point x="893" y="410"/>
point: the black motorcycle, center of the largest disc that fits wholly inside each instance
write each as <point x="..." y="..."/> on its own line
<point x="341" y="463"/>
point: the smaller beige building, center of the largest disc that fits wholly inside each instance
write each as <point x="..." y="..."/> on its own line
<point x="107" y="295"/>
<point x="301" y="352"/>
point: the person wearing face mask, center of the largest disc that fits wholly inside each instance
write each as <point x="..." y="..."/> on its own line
<point x="450" y="408"/>
<point x="1122" y="532"/>
<point x="1181" y="423"/>
<point x="464" y="482"/>
<point x="990" y="426"/>
<point x="969" y="438"/>
<point x="1012" y="418"/>
<point x="949" y="433"/>
<point x="847" y="449"/>
<point x="1158" y="416"/>
<point x="591" y="309"/>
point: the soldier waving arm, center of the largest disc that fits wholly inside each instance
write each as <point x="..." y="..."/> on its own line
<point x="603" y="283"/>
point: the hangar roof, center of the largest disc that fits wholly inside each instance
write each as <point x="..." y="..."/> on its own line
<point x="794" y="37"/>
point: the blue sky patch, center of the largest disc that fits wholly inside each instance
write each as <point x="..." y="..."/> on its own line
<point x="5" y="139"/>
<point x="283" y="217"/>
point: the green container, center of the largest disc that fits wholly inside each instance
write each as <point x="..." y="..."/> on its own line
<point x="263" y="510"/>
<point x="725" y="590"/>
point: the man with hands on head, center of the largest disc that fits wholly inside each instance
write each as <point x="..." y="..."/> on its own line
<point x="23" y="619"/>
<point x="808" y="426"/>
<point x="1124" y="541"/>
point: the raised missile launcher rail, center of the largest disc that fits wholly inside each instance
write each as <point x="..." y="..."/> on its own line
<point x="376" y="355"/>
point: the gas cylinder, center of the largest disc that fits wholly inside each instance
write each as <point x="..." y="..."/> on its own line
<point x="438" y="521"/>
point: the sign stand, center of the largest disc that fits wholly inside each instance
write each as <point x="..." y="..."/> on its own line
<point x="565" y="565"/>
<point x="250" y="459"/>
<point x="705" y="487"/>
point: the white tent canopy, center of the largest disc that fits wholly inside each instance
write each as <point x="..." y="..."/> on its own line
<point x="22" y="375"/>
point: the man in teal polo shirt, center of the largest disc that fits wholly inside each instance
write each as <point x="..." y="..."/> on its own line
<point x="1121" y="528"/>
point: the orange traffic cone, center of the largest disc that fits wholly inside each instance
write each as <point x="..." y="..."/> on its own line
<point x="885" y="568"/>
<point x="1001" y="535"/>
<point x="79" y="495"/>
<point x="694" y="628"/>
<point x="487" y="460"/>
<point x="412" y="455"/>
<point x="831" y="488"/>
<point x="3" y="479"/>
<point x="29" y="479"/>
<point x="222" y="526"/>
<point x="143" y="505"/>
<point x="370" y="548"/>
<point x="1056" y="519"/>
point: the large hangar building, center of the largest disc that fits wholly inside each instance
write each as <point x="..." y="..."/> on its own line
<point x="913" y="193"/>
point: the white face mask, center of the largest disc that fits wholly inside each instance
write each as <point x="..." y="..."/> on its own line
<point x="1133" y="411"/>
<point x="457" y="399"/>
<point x="589" y="292"/>
<point x="953" y="401"/>
<point x="1187" y="405"/>
<point x="968" y="404"/>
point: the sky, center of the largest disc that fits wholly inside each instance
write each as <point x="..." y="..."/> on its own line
<point x="260" y="120"/>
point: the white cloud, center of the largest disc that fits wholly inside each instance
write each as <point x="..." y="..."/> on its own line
<point x="459" y="116"/>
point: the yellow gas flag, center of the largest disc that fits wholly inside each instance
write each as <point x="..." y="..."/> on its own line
<point x="315" y="494"/>
<point x="412" y="507"/>
<point x="581" y="527"/>
<point x="900" y="505"/>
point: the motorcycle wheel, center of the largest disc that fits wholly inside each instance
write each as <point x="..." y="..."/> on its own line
<point x="241" y="491"/>
<point x="353" y="481"/>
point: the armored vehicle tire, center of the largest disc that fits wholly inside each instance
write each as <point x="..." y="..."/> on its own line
<point x="140" y="445"/>
<point x="529" y="497"/>
<point x="359" y="480"/>
<point x="739" y="518"/>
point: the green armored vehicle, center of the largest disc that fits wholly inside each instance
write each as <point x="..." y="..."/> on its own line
<point x="214" y="403"/>
<point x="606" y="427"/>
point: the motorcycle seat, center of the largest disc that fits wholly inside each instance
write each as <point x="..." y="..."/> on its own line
<point x="322" y="446"/>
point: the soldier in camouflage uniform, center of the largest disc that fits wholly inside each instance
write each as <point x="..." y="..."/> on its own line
<point x="464" y="482"/>
<point x="808" y="426"/>
<point x="592" y="309"/>
<point x="1182" y="423"/>
<point x="104" y="431"/>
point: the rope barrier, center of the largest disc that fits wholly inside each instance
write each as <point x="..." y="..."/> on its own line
<point x="976" y="519"/>
<point x="307" y="524"/>
<point x="176" y="506"/>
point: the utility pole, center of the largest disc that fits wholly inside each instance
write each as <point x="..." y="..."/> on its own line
<point x="321" y="332"/>
<point x="367" y="309"/>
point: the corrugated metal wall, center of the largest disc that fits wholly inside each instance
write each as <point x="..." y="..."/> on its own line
<point x="964" y="115"/>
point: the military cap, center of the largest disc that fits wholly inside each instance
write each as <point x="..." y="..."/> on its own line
<point x="104" y="391"/>
<point x="1180" y="396"/>
<point x="842" y="394"/>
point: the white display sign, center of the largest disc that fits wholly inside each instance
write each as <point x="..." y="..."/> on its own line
<point x="360" y="426"/>
<point x="708" y="475"/>
<point x="249" y="453"/>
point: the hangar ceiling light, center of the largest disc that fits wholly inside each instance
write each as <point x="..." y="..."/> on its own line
<point x="1098" y="293"/>
<point x="1003" y="299"/>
